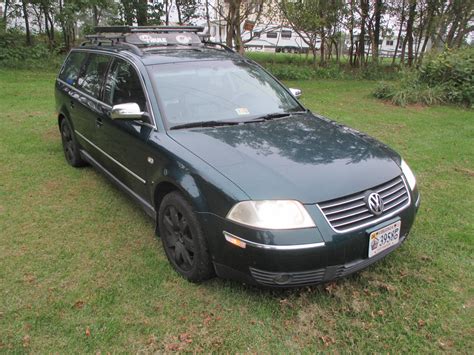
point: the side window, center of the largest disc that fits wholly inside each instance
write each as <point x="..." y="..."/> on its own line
<point x="123" y="85"/>
<point x="92" y="77"/>
<point x="72" y="67"/>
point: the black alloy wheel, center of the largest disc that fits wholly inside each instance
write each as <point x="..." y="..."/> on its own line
<point x="182" y="239"/>
<point x="70" y="146"/>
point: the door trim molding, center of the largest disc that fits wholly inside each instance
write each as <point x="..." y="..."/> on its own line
<point x="112" y="158"/>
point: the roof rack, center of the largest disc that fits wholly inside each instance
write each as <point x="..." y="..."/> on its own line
<point x="142" y="39"/>
<point x="155" y="29"/>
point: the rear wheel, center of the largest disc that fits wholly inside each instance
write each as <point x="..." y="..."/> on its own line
<point x="70" y="146"/>
<point x="182" y="239"/>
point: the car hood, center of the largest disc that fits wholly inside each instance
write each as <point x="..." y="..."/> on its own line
<point x="303" y="157"/>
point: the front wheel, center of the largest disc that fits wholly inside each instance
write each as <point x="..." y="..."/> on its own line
<point x="182" y="239"/>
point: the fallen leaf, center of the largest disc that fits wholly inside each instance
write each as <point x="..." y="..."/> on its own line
<point x="26" y="341"/>
<point x="88" y="332"/>
<point x="151" y="340"/>
<point x="185" y="338"/>
<point x="330" y="288"/>
<point x="327" y="340"/>
<point x="173" y="347"/>
<point x="421" y="323"/>
<point x="79" y="304"/>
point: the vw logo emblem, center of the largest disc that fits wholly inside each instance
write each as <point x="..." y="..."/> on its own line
<point x="375" y="203"/>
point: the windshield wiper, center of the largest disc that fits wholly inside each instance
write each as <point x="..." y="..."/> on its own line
<point x="204" y="124"/>
<point x="270" y="116"/>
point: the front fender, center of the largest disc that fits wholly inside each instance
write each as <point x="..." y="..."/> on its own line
<point x="206" y="188"/>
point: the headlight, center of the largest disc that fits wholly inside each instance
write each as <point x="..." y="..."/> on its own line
<point x="408" y="174"/>
<point x="271" y="214"/>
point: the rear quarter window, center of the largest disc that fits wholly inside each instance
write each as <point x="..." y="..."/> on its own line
<point x="72" y="67"/>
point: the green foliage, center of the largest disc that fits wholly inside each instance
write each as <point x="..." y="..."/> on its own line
<point x="14" y="53"/>
<point x="454" y="71"/>
<point x="444" y="78"/>
<point x="287" y="66"/>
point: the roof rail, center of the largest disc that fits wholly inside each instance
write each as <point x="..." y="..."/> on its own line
<point x="225" y="47"/>
<point x="156" y="29"/>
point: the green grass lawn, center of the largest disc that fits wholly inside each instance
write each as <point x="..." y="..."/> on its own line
<point x="81" y="269"/>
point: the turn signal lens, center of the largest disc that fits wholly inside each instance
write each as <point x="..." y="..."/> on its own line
<point x="232" y="240"/>
<point x="408" y="174"/>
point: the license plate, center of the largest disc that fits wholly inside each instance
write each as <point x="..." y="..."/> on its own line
<point x="384" y="238"/>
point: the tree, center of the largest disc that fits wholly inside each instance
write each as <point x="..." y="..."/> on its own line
<point x="187" y="10"/>
<point x="235" y="13"/>
<point x="313" y="21"/>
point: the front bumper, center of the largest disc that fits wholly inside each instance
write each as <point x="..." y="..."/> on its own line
<point x="295" y="257"/>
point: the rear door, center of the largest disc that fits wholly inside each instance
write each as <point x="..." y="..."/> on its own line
<point x="88" y="106"/>
<point x="126" y="141"/>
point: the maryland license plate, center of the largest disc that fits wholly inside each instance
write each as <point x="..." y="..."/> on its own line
<point x="384" y="238"/>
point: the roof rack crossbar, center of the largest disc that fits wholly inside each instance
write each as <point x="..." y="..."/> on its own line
<point x="100" y="40"/>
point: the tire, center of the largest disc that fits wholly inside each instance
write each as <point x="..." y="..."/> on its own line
<point x="183" y="240"/>
<point x="70" y="145"/>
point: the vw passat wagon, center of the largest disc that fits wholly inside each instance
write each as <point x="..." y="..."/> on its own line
<point x="242" y="180"/>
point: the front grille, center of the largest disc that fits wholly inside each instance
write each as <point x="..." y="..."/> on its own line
<point x="350" y="212"/>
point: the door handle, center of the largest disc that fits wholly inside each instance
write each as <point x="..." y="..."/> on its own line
<point x="99" y="122"/>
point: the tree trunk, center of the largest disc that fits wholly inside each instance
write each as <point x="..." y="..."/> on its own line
<point x="27" y="21"/>
<point x="178" y="10"/>
<point x="208" y="19"/>
<point x="5" y="12"/>
<point x="322" y="47"/>
<point x="402" y="21"/>
<point x="167" y="9"/>
<point x="351" y="34"/>
<point x="230" y="24"/>
<point x="142" y="13"/>
<point x="95" y="15"/>
<point x="237" y="33"/>
<point x="411" y="19"/>
<point x="364" y="5"/>
<point x="375" y="44"/>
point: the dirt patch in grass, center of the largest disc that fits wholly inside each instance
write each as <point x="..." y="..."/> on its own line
<point x="465" y="171"/>
<point x="51" y="135"/>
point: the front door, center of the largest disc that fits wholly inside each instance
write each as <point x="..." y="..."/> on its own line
<point x="126" y="141"/>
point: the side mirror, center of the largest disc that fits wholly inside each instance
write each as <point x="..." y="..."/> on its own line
<point x="296" y="92"/>
<point x="127" y="112"/>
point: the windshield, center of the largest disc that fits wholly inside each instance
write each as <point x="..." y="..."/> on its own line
<point x="218" y="91"/>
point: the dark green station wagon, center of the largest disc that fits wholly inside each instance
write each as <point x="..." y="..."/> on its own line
<point x="242" y="180"/>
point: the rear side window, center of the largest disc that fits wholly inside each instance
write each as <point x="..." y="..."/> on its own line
<point x="72" y="67"/>
<point x="91" y="79"/>
<point x="123" y="85"/>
